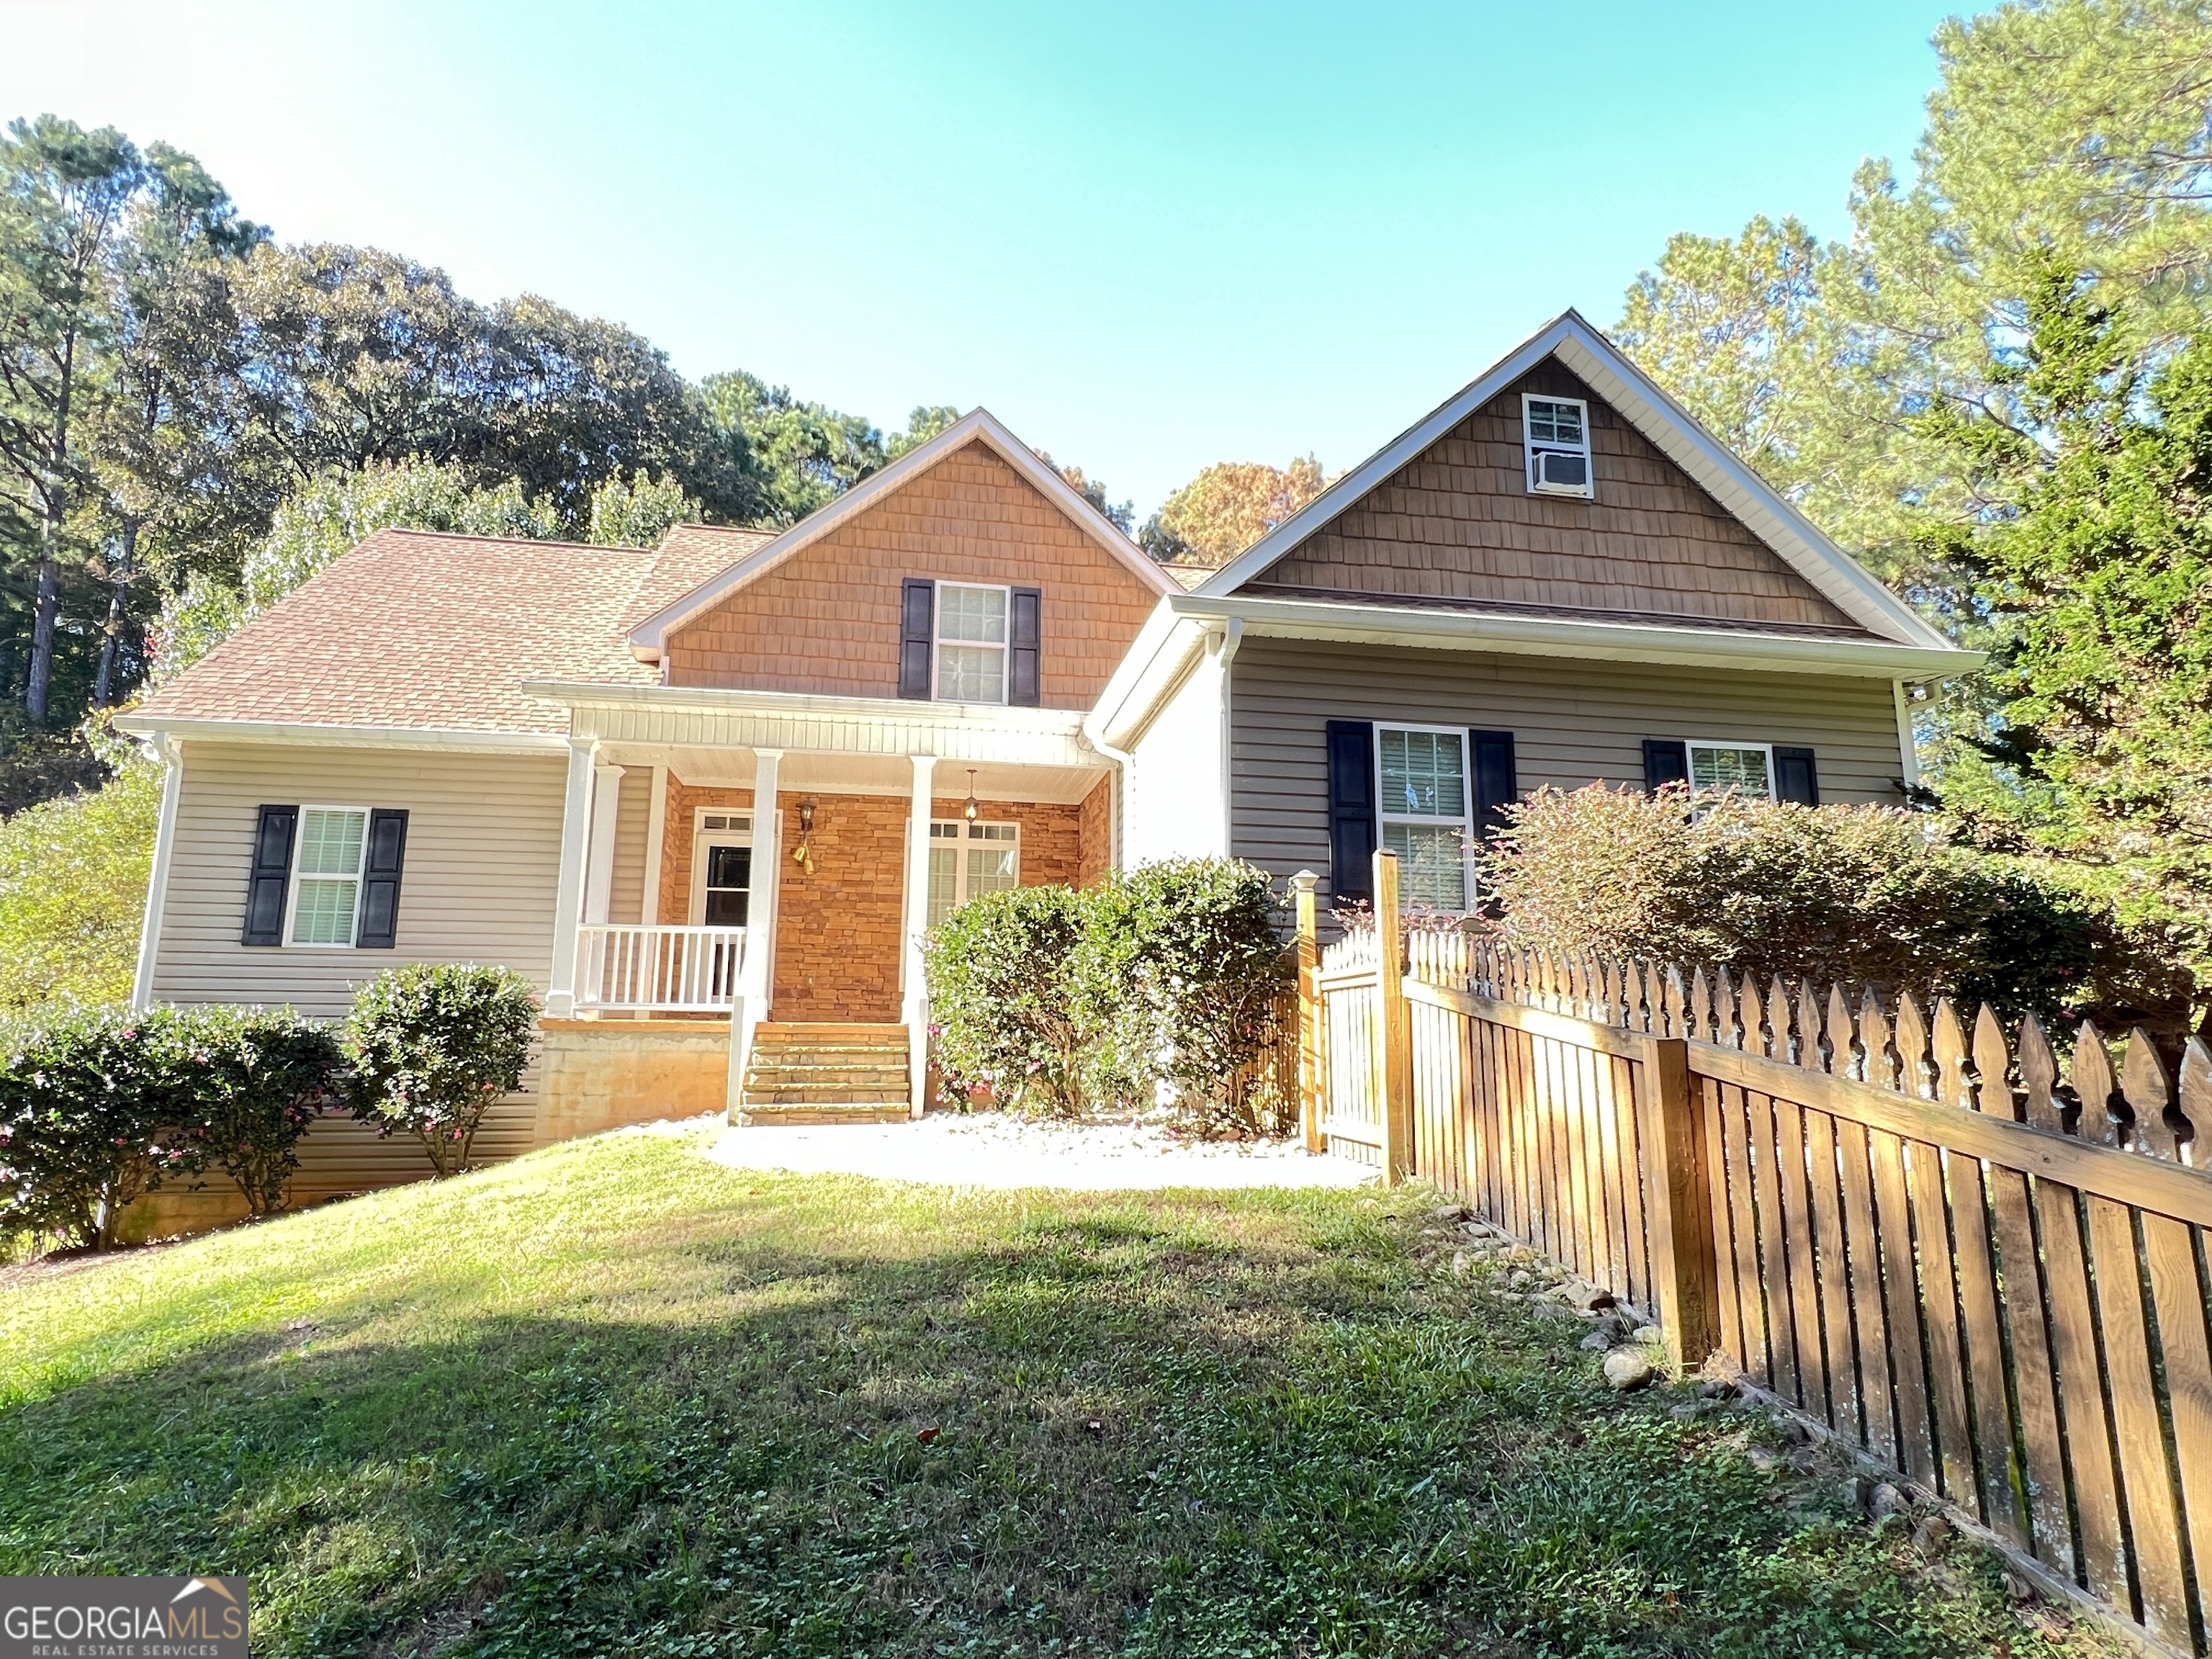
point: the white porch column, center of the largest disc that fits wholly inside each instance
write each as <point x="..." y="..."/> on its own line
<point x="756" y="979"/>
<point x="656" y="832"/>
<point x="599" y="869"/>
<point x="913" y="1009"/>
<point x="568" y="896"/>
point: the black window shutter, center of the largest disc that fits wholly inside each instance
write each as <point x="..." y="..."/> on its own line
<point x="1496" y="786"/>
<point x="1664" y="763"/>
<point x="273" y="874"/>
<point x="380" y="885"/>
<point x="917" y="627"/>
<point x="1025" y="622"/>
<point x="1795" y="777"/>
<point x="1351" y="839"/>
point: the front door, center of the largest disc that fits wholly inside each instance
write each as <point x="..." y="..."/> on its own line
<point x="723" y="887"/>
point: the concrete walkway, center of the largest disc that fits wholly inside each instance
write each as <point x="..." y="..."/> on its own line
<point x="989" y="1150"/>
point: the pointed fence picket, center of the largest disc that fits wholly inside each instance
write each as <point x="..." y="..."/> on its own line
<point x="1978" y="1254"/>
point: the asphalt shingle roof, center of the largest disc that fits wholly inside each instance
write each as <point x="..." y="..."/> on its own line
<point x="417" y="631"/>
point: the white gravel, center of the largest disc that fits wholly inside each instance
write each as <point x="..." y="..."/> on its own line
<point x="986" y="1149"/>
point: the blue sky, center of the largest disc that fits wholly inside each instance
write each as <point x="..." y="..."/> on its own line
<point x="1148" y="236"/>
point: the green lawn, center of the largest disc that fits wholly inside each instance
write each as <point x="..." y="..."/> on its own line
<point x="615" y="1399"/>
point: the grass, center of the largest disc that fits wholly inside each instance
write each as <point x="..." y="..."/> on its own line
<point x="613" y="1399"/>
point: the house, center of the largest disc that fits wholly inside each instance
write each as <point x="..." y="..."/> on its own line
<point x="711" y="796"/>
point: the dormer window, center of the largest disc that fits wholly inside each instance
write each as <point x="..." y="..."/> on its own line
<point x="971" y="643"/>
<point x="1556" y="437"/>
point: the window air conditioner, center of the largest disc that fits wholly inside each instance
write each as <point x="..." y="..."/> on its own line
<point x="1560" y="472"/>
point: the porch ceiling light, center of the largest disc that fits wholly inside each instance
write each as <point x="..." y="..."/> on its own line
<point x="971" y="810"/>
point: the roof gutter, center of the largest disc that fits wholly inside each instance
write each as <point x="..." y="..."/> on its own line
<point x="179" y="728"/>
<point x="1368" y="623"/>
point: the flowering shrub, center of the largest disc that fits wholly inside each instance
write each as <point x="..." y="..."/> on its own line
<point x="429" y="1047"/>
<point x="89" y="1121"/>
<point x="100" y="1107"/>
<point x="256" y="1080"/>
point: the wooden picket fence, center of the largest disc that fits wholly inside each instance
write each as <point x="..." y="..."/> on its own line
<point x="1981" y="1262"/>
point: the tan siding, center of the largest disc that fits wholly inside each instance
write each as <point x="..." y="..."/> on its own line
<point x="633" y="815"/>
<point x="483" y="851"/>
<point x="1458" y="523"/>
<point x="1574" y="722"/>
<point x="827" y="619"/>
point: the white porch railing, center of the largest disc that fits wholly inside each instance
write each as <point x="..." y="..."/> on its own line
<point x="682" y="969"/>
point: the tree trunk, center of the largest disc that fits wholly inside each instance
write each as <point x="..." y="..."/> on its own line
<point x="42" y="636"/>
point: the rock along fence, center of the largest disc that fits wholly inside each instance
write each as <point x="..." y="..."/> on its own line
<point x="1982" y="1265"/>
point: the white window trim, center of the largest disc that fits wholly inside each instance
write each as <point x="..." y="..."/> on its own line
<point x="1466" y="819"/>
<point x="1690" y="766"/>
<point x="1529" y="447"/>
<point x="960" y="844"/>
<point x="702" y="839"/>
<point x="1005" y="646"/>
<point x="292" y="885"/>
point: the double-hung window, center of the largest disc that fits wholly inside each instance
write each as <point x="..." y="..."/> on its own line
<point x="1423" y="813"/>
<point x="326" y="876"/>
<point x="1556" y="438"/>
<point x="967" y="858"/>
<point x="1744" y="768"/>
<point x="971" y="643"/>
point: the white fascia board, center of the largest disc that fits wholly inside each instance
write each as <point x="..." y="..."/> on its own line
<point x="647" y="638"/>
<point x="808" y="722"/>
<point x="179" y="728"/>
<point x="1645" y="405"/>
<point x="1546" y="636"/>
<point x="1158" y="662"/>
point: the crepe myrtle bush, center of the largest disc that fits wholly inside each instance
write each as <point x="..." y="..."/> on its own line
<point x="1869" y="894"/>
<point x="430" y="1046"/>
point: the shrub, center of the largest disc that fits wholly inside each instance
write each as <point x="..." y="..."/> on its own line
<point x="1197" y="964"/>
<point x="89" y="1121"/>
<point x="1061" y="1001"/>
<point x="430" y="1048"/>
<point x="258" y="1080"/>
<point x="1837" y="893"/>
<point x="1007" y="1002"/>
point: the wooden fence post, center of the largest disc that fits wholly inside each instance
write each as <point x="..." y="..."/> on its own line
<point x="1393" y="1079"/>
<point x="1311" y="1076"/>
<point x="1678" y="1199"/>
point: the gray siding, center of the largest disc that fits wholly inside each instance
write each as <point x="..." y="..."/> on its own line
<point x="483" y="851"/>
<point x="483" y="856"/>
<point x="1574" y="722"/>
<point x="632" y="815"/>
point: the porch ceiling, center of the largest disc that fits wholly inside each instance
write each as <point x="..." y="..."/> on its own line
<point x="803" y="772"/>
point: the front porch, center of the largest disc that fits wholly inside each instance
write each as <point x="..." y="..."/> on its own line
<point x="769" y="863"/>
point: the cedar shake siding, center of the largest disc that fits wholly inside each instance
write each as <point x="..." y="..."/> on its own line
<point x="1458" y="525"/>
<point x="1574" y="722"/>
<point x="826" y="619"/>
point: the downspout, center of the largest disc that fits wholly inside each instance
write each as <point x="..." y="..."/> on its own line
<point x="1908" y="751"/>
<point x="1231" y="636"/>
<point x="1123" y="760"/>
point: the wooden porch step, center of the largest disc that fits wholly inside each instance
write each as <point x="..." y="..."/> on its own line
<point x="807" y="1072"/>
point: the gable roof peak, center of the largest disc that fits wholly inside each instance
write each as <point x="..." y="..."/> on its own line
<point x="1584" y="351"/>
<point x="978" y="425"/>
